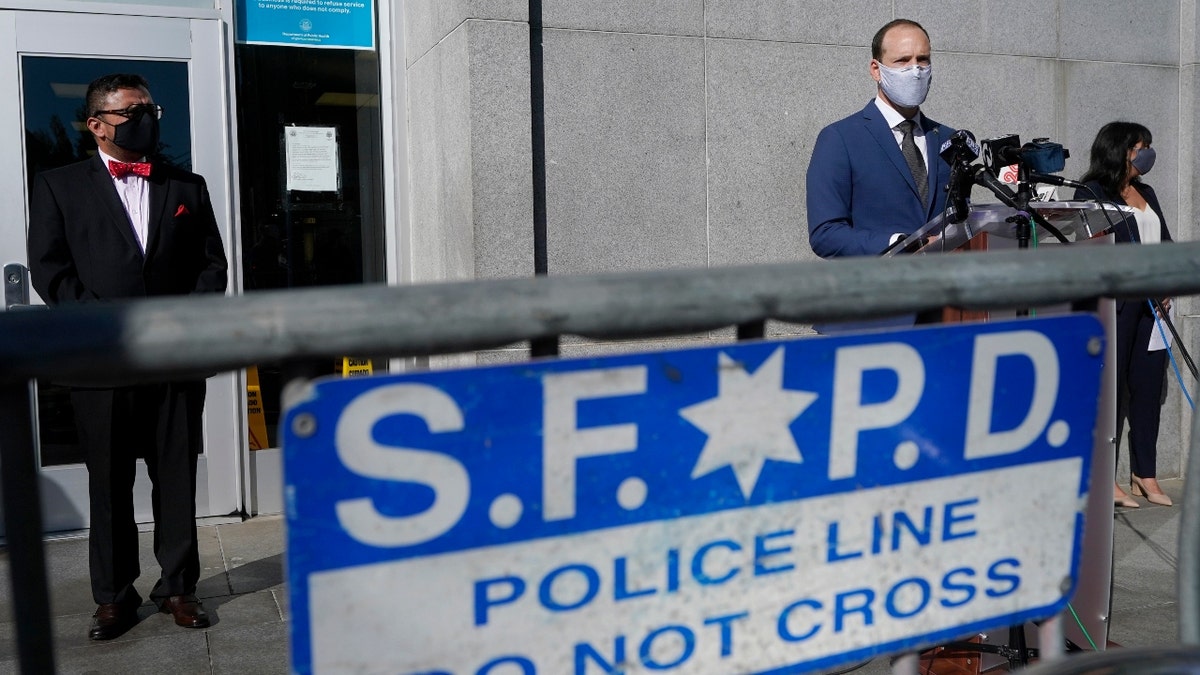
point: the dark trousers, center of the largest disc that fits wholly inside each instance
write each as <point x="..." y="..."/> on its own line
<point x="160" y="423"/>
<point x="1140" y="374"/>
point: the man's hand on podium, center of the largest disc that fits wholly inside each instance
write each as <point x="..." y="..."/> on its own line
<point x="914" y="244"/>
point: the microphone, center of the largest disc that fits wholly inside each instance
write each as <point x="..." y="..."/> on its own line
<point x="959" y="151"/>
<point x="1055" y="180"/>
<point x="1059" y="180"/>
<point x="1001" y="151"/>
<point x="960" y="146"/>
<point x="982" y="176"/>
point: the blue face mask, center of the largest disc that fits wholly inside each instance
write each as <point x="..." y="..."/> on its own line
<point x="1143" y="160"/>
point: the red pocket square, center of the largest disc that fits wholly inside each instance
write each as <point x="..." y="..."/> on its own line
<point x="181" y="211"/>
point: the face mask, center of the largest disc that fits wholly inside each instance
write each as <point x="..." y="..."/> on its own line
<point x="906" y="87"/>
<point x="139" y="134"/>
<point x="1143" y="160"/>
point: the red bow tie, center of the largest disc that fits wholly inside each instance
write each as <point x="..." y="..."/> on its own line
<point x="122" y="169"/>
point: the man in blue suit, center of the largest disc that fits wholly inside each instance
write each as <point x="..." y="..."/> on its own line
<point x="875" y="177"/>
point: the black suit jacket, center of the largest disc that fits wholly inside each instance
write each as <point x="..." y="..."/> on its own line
<point x="1123" y="230"/>
<point x="1126" y="231"/>
<point x="82" y="247"/>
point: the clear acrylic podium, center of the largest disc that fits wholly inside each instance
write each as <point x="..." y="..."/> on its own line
<point x="1077" y="221"/>
<point x="987" y="228"/>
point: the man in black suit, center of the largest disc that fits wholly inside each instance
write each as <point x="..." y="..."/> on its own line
<point x="114" y="227"/>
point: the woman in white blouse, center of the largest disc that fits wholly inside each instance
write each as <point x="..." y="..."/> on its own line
<point x="1120" y="156"/>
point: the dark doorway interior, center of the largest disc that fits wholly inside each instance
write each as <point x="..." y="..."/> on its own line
<point x="293" y="238"/>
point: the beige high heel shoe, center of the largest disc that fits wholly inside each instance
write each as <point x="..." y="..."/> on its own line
<point x="1122" y="499"/>
<point x="1138" y="488"/>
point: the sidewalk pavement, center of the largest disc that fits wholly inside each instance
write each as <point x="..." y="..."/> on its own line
<point x="243" y="589"/>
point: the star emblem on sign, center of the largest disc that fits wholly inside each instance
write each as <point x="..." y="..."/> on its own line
<point x="747" y="422"/>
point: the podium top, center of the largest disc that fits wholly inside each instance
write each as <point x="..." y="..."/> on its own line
<point x="1076" y="220"/>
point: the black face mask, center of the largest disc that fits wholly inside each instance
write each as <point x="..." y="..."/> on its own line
<point x="139" y="134"/>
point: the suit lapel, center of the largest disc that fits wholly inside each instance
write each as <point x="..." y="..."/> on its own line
<point x="102" y="183"/>
<point x="933" y="145"/>
<point x="883" y="135"/>
<point x="158" y="185"/>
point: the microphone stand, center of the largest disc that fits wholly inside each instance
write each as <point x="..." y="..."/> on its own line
<point x="955" y="196"/>
<point x="1021" y="218"/>
<point x="1017" y="652"/>
<point x="1023" y="223"/>
<point x="1024" y="217"/>
<point x="1009" y="198"/>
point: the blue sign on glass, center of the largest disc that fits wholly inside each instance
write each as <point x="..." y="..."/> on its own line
<point x="341" y="24"/>
<point x="759" y="507"/>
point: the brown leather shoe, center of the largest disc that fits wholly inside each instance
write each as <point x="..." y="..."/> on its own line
<point x="112" y="620"/>
<point x="187" y="611"/>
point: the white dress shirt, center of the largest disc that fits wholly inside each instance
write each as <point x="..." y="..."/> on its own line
<point x="1149" y="226"/>
<point x="134" y="191"/>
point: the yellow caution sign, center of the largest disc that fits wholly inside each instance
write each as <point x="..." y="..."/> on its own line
<point x="254" y="409"/>
<point x="356" y="367"/>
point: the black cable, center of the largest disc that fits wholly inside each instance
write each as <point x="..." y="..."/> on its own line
<point x="848" y="669"/>
<point x="1045" y="224"/>
<point x="1166" y="319"/>
<point x="1116" y="207"/>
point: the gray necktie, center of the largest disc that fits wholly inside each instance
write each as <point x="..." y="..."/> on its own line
<point x="916" y="163"/>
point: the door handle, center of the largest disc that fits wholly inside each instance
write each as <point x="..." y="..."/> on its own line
<point x="16" y="285"/>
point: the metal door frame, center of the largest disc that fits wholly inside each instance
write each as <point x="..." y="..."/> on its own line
<point x="200" y="41"/>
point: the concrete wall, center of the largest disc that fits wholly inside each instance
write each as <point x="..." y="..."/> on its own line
<point x="468" y="139"/>
<point x="678" y="132"/>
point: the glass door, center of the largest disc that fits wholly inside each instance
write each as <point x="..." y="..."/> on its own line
<point x="311" y="236"/>
<point x="53" y="56"/>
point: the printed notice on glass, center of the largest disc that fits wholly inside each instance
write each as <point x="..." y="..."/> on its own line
<point x="312" y="159"/>
<point x="336" y="24"/>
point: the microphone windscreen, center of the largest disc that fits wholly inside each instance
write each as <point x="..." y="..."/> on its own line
<point x="961" y="146"/>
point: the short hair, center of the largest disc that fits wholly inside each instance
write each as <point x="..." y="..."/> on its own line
<point x="99" y="89"/>
<point x="877" y="41"/>
<point x="1109" y="159"/>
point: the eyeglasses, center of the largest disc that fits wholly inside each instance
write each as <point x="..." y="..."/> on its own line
<point x="135" y="111"/>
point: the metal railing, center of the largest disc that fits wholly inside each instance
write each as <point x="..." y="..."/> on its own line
<point x="156" y="339"/>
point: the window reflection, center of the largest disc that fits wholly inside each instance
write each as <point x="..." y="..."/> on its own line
<point x="55" y="113"/>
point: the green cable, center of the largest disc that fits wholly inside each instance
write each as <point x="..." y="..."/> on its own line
<point x="1080" y="623"/>
<point x="1033" y="226"/>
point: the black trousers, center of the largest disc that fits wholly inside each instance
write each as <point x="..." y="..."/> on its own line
<point x="1140" y="374"/>
<point x="160" y="423"/>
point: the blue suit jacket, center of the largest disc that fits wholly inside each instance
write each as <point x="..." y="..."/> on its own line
<point x="860" y="190"/>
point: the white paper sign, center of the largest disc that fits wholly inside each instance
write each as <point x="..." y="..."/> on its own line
<point x="312" y="159"/>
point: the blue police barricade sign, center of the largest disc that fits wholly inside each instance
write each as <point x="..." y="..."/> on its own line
<point x="764" y="507"/>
